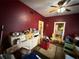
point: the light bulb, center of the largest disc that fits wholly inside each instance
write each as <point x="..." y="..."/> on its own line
<point x="61" y="10"/>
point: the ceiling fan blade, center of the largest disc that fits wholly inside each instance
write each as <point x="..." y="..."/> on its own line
<point x="68" y="10"/>
<point x="60" y="3"/>
<point x="53" y="10"/>
<point x="68" y="1"/>
<point x="73" y="5"/>
<point x="53" y="6"/>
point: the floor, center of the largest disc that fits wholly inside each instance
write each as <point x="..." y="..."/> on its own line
<point x="53" y="52"/>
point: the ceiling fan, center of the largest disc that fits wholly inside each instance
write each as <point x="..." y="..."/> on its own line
<point x="61" y="6"/>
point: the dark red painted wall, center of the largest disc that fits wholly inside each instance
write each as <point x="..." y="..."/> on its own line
<point x="17" y="17"/>
<point x="72" y="24"/>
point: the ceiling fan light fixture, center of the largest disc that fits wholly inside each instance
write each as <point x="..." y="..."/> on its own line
<point x="61" y="10"/>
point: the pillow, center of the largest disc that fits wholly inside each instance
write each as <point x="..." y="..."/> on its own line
<point x="29" y="35"/>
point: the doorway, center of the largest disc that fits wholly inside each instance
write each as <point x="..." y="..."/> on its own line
<point x="59" y="30"/>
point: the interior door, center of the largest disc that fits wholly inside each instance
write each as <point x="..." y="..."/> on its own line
<point x="41" y="28"/>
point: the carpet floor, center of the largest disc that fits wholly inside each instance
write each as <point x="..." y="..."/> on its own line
<point x="53" y="52"/>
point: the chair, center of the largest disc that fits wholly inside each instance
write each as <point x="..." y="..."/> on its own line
<point x="69" y="44"/>
<point x="45" y="43"/>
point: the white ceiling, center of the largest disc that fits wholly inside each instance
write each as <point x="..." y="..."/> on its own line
<point x="43" y="7"/>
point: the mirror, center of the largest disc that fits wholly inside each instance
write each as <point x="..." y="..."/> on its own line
<point x="59" y="29"/>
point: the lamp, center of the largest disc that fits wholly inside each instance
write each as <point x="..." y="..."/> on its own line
<point x="61" y="10"/>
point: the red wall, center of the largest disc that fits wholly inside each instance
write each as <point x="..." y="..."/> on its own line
<point x="72" y="24"/>
<point x="17" y="17"/>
